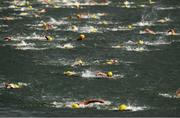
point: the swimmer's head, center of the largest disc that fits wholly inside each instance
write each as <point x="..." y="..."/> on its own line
<point x="130" y="26"/>
<point x="81" y="37"/>
<point x="141" y="42"/>
<point x="109" y="74"/>
<point x="69" y="17"/>
<point x="74" y="28"/>
<point x="171" y="32"/>
<point x="30" y="7"/>
<point x="77" y="5"/>
<point x="78" y="16"/>
<point x="49" y="38"/>
<point x="122" y="107"/>
<point x="178" y="92"/>
<point x="75" y="105"/>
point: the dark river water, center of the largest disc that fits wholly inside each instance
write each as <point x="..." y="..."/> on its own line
<point x="145" y="77"/>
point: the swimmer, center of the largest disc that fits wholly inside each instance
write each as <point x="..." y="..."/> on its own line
<point x="77" y="5"/>
<point x="140" y="42"/>
<point x="78" y="16"/>
<point x="78" y="62"/>
<point x="122" y="107"/>
<point x="149" y="31"/>
<point x="171" y="32"/>
<point x="130" y="26"/>
<point x="81" y="37"/>
<point x="42" y="11"/>
<point x="49" y="38"/>
<point x="112" y="61"/>
<point x="151" y="2"/>
<point x="87" y="102"/>
<point x="126" y="4"/>
<point x="13" y="85"/>
<point x="163" y="20"/>
<point x="178" y="93"/>
<point x="71" y="73"/>
<point x="47" y="26"/>
<point x="8" y="18"/>
<point x="74" y="28"/>
<point x="69" y="17"/>
<point x="102" y="74"/>
<point x="8" y="38"/>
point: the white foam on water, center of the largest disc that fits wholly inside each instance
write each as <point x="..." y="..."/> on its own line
<point x="117" y="46"/>
<point x="136" y="108"/>
<point x="166" y="8"/>
<point x="30" y="48"/>
<point x="23" y="44"/>
<point x="2" y="25"/>
<point x="177" y="34"/>
<point x="87" y="29"/>
<point x="157" y="42"/>
<point x="129" y="42"/>
<point x="136" y="49"/>
<point x="144" y="23"/>
<point x="88" y="74"/>
<point x="87" y="3"/>
<point x="66" y="46"/>
<point x="57" y="22"/>
<point x="26" y="46"/>
<point x="10" y="19"/>
<point x="34" y="36"/>
<point x="167" y="95"/>
<point x="120" y="28"/>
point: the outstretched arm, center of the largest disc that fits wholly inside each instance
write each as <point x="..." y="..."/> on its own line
<point x="92" y="101"/>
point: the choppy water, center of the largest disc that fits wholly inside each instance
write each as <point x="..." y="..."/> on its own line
<point x="145" y="77"/>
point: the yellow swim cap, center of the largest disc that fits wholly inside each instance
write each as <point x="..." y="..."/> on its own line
<point x="141" y="42"/>
<point x="130" y="26"/>
<point x="122" y="107"/>
<point x="109" y="62"/>
<point x="30" y="7"/>
<point x="75" y="106"/>
<point x="94" y="16"/>
<point x="109" y="74"/>
<point x="49" y="38"/>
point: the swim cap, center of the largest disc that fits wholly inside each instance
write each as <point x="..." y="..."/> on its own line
<point x="74" y="28"/>
<point x="109" y="62"/>
<point x="30" y="7"/>
<point x="130" y="26"/>
<point x="109" y="74"/>
<point x="78" y="16"/>
<point x="141" y="42"/>
<point x="122" y="107"/>
<point x="49" y="38"/>
<point x="75" y="106"/>
<point x="82" y="37"/>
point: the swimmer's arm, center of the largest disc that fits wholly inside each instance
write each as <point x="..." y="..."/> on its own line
<point x="92" y="101"/>
<point x="101" y="74"/>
